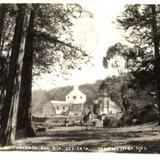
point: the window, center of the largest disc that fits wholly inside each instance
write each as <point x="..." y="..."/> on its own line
<point x="81" y="97"/>
<point x="68" y="97"/>
<point x="64" y="107"/>
<point x="107" y="93"/>
<point x="74" y="97"/>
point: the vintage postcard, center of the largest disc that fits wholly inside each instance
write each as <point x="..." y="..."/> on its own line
<point x="80" y="77"/>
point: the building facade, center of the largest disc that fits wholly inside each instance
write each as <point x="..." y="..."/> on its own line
<point x="106" y="105"/>
<point x="73" y="104"/>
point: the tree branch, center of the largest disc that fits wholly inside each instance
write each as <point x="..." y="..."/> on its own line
<point x="53" y="39"/>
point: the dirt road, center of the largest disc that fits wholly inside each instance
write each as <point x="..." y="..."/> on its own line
<point x="142" y="138"/>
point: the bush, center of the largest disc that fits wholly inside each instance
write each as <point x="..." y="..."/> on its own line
<point x="107" y="122"/>
<point x="144" y="115"/>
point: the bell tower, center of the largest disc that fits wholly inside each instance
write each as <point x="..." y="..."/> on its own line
<point x="103" y="98"/>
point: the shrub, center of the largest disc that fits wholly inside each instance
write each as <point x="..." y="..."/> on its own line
<point x="108" y="122"/>
<point x="144" y="115"/>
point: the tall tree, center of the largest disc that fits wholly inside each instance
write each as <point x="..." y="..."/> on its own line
<point x="136" y="21"/>
<point x="7" y="20"/>
<point x="10" y="109"/>
<point x="45" y="22"/>
<point x="2" y="58"/>
<point x="2" y="17"/>
<point x="156" y="41"/>
<point x="116" y="57"/>
<point x="141" y="23"/>
<point x="24" y="110"/>
<point x="39" y="36"/>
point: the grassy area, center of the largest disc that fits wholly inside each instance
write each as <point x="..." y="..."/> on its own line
<point x="141" y="138"/>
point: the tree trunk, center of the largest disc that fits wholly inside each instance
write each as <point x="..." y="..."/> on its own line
<point x="2" y="17"/>
<point x="10" y="109"/>
<point x="24" y="127"/>
<point x="2" y="85"/>
<point x="157" y="54"/>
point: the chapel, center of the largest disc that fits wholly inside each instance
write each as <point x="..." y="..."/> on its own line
<point x="72" y="106"/>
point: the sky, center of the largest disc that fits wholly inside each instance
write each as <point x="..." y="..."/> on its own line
<point x="95" y="36"/>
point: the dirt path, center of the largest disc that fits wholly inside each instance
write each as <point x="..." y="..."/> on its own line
<point x="145" y="139"/>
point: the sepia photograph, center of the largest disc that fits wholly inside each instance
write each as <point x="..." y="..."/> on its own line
<point x="80" y="77"/>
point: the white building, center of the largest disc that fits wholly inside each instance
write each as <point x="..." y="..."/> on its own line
<point x="73" y="105"/>
<point x="76" y="96"/>
<point x="60" y="107"/>
<point x="107" y="106"/>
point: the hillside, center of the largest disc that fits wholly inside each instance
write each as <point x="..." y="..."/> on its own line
<point x="41" y="97"/>
<point x="141" y="105"/>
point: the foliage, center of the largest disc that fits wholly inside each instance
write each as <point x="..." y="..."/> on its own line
<point x="135" y="61"/>
<point x="146" y="114"/>
<point x="7" y="20"/>
<point x="115" y="122"/>
<point x="137" y="22"/>
<point x="54" y="46"/>
<point x="15" y="110"/>
<point x="116" y="50"/>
